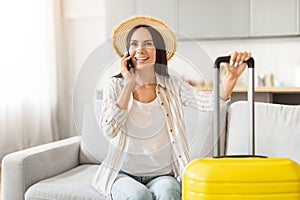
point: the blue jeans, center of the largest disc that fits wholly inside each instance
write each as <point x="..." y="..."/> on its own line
<point x="164" y="187"/>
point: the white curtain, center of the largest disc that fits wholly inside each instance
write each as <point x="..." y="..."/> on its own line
<point x="64" y="78"/>
<point x="30" y="80"/>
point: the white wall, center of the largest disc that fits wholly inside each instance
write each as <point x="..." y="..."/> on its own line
<point x="84" y="28"/>
<point x="279" y="56"/>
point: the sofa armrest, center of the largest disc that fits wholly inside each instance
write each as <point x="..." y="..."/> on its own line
<point x="24" y="168"/>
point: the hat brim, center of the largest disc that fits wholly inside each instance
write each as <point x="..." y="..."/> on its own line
<point x="121" y="31"/>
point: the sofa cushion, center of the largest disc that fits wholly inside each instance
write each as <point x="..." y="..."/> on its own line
<point x="74" y="184"/>
<point x="199" y="132"/>
<point x="94" y="145"/>
<point x="277" y="130"/>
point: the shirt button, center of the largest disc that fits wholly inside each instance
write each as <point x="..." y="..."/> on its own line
<point x="167" y="115"/>
<point x="179" y="156"/>
<point x="162" y="103"/>
<point x="171" y="130"/>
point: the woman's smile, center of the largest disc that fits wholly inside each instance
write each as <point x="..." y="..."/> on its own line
<point x="141" y="59"/>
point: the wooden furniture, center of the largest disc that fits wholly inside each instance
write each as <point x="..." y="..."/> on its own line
<point x="280" y="95"/>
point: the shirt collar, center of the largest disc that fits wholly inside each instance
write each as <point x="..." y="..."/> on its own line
<point x="160" y="80"/>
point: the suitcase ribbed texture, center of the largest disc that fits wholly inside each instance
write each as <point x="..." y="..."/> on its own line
<point x="251" y="178"/>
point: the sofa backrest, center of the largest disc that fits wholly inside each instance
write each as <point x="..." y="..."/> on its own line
<point x="94" y="145"/>
<point x="277" y="130"/>
<point x="199" y="128"/>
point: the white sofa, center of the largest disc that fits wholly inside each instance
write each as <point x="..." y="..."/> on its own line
<point x="63" y="170"/>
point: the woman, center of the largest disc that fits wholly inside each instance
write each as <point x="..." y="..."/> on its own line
<point x="142" y="114"/>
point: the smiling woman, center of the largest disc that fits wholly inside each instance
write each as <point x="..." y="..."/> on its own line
<point x="142" y="113"/>
<point x="27" y="74"/>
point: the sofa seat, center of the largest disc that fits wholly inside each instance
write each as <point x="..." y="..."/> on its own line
<point x="74" y="184"/>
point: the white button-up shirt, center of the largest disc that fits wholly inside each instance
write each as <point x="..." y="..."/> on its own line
<point x="173" y="93"/>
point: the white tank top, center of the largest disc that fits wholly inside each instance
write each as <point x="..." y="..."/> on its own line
<point x="150" y="151"/>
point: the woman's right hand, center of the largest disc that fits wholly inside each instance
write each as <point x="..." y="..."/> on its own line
<point x="129" y="79"/>
<point x="129" y="76"/>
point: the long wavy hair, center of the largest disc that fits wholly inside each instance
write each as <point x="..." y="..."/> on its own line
<point x="161" y="61"/>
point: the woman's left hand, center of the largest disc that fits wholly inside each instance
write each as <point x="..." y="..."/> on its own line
<point x="235" y="68"/>
<point x="237" y="64"/>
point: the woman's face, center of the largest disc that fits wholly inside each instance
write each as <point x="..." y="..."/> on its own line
<point x="142" y="49"/>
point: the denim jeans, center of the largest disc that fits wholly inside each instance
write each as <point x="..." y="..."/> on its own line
<point x="164" y="187"/>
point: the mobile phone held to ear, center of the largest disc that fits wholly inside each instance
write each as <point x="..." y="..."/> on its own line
<point x="129" y="63"/>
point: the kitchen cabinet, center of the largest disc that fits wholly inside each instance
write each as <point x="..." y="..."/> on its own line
<point x="204" y="19"/>
<point x="201" y="19"/>
<point x="213" y="19"/>
<point x="117" y="11"/>
<point x="274" y="18"/>
<point x="165" y="10"/>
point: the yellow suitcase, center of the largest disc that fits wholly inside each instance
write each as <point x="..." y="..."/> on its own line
<point x="236" y="178"/>
<point x="240" y="177"/>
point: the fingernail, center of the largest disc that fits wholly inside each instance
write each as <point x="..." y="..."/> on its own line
<point x="241" y="62"/>
<point x="231" y="63"/>
<point x="236" y="64"/>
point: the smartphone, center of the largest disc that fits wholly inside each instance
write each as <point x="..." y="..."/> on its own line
<point x="129" y="63"/>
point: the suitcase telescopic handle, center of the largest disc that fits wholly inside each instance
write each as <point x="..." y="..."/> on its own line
<point x="250" y="63"/>
<point x="226" y="59"/>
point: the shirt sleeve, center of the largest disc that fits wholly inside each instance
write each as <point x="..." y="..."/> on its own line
<point x="198" y="99"/>
<point x="112" y="118"/>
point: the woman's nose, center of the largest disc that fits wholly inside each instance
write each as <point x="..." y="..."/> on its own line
<point x="139" y="50"/>
<point x="142" y="46"/>
<point x="139" y="47"/>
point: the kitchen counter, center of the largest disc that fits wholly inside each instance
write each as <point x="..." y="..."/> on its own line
<point x="270" y="89"/>
<point x="280" y="95"/>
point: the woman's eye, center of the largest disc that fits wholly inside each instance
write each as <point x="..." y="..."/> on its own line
<point x="149" y="44"/>
<point x="133" y="44"/>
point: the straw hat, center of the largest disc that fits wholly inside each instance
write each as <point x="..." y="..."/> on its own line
<point x="121" y="31"/>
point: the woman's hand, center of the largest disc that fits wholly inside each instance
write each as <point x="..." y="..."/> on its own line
<point x="129" y="76"/>
<point x="235" y="68"/>
<point x="237" y="64"/>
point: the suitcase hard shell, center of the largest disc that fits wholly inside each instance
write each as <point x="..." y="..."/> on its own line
<point x="246" y="177"/>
